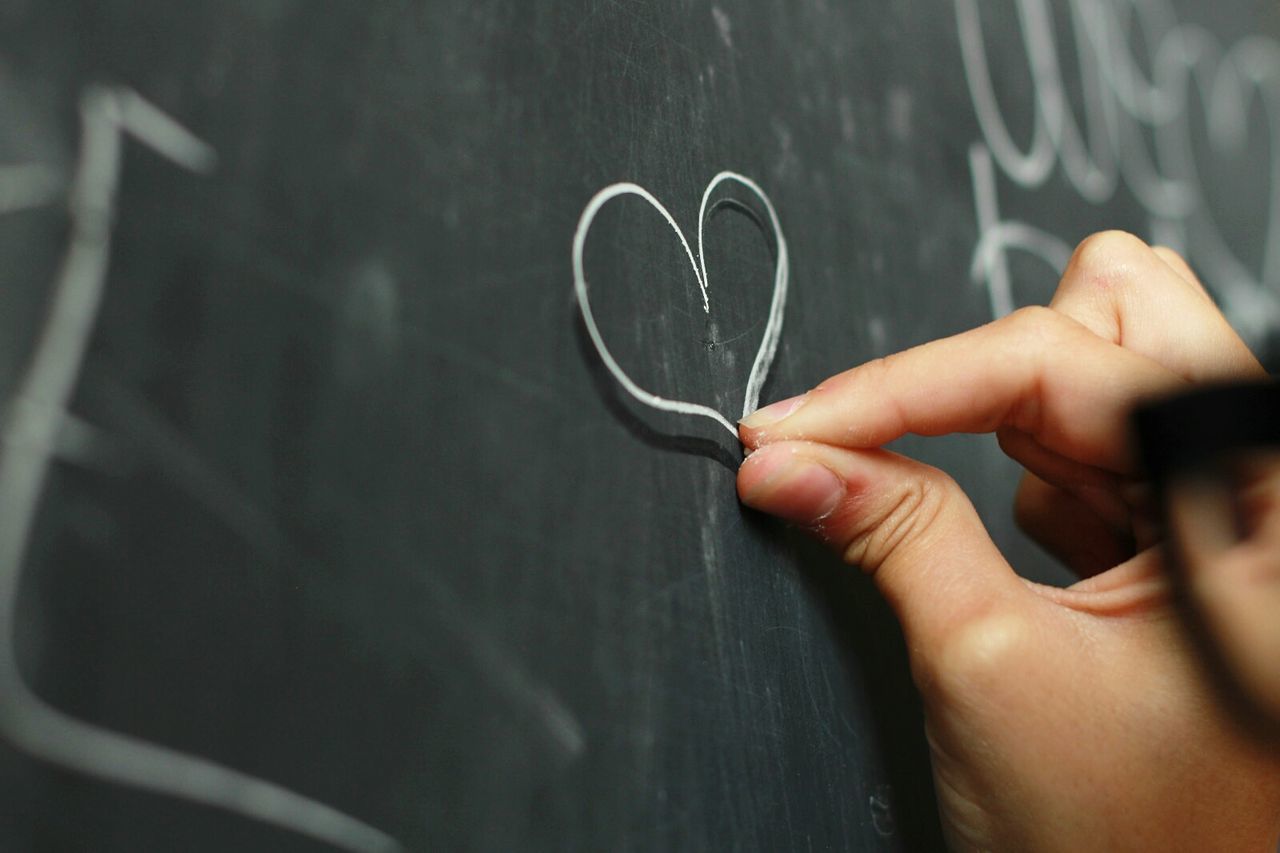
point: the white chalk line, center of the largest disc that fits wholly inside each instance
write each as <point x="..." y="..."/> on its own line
<point x="1122" y="105"/>
<point x="1142" y="97"/>
<point x="1027" y="169"/>
<point x="1115" y="149"/>
<point x="998" y="236"/>
<point x="777" y="306"/>
<point x="1092" y="171"/>
<point x="25" y="454"/>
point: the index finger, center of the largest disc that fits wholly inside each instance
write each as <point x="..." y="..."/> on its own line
<point x="1034" y="370"/>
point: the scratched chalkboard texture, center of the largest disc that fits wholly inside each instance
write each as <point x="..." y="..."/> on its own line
<point x="324" y="523"/>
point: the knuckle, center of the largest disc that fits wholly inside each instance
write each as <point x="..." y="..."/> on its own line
<point x="1036" y="339"/>
<point x="1034" y="329"/>
<point x="900" y="518"/>
<point x="1105" y="259"/>
<point x="1032" y="319"/>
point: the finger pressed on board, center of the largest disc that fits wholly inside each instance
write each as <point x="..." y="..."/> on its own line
<point x="907" y="524"/>
<point x="1036" y="370"/>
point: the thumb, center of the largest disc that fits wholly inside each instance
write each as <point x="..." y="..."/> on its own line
<point x="906" y="524"/>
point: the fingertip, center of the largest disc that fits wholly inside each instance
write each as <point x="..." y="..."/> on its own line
<point x="754" y="471"/>
<point x="770" y="416"/>
<point x="782" y="481"/>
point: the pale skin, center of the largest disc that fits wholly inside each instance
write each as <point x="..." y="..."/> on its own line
<point x="1058" y="719"/>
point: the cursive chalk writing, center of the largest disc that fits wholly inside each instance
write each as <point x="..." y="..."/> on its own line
<point x="1138" y="134"/>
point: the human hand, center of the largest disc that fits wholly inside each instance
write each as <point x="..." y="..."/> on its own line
<point x="1058" y="719"/>
<point x="1224" y="518"/>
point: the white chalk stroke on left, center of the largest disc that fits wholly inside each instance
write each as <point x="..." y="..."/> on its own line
<point x="36" y="416"/>
<point x="773" y="327"/>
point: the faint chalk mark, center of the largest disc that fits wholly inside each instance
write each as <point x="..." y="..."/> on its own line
<point x="107" y="114"/>
<point x="505" y="673"/>
<point x="27" y="185"/>
<point x="369" y="332"/>
<point x="74" y="441"/>
<point x="513" y="680"/>
<point x="723" y="25"/>
<point x="150" y="436"/>
<point x="881" y="803"/>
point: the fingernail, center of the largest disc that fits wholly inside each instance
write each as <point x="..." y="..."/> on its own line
<point x="791" y="487"/>
<point x="773" y="413"/>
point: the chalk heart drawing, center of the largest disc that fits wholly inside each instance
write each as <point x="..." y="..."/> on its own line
<point x="773" y="327"/>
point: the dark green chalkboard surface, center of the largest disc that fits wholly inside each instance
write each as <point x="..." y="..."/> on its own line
<point x="328" y="522"/>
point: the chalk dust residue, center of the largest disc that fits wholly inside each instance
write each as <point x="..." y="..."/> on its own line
<point x="724" y="25"/>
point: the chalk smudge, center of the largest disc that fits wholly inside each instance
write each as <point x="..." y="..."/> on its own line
<point x="35" y="418"/>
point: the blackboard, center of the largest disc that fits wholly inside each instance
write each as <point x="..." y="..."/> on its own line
<point x="324" y="523"/>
